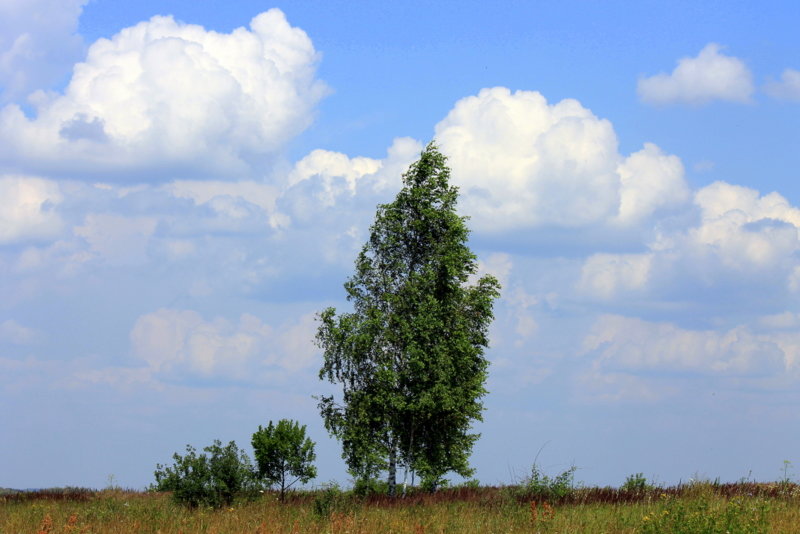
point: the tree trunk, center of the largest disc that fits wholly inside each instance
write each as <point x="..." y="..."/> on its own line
<point x="392" y="469"/>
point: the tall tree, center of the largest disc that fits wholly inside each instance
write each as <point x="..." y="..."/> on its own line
<point x="409" y="357"/>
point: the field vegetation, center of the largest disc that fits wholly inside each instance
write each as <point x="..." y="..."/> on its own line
<point x="699" y="507"/>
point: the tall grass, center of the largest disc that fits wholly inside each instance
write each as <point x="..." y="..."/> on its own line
<point x="689" y="509"/>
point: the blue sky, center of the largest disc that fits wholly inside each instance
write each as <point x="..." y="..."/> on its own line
<point x="182" y="188"/>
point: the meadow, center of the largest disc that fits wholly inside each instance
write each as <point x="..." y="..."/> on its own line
<point x="701" y="507"/>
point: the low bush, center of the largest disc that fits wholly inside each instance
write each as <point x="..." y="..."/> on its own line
<point x="636" y="483"/>
<point x="541" y="487"/>
<point x="213" y="478"/>
<point x="328" y="500"/>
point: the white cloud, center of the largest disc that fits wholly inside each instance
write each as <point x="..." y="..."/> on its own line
<point x="650" y="181"/>
<point x="38" y="44"/>
<point x="27" y="208"/>
<point x="788" y="88"/>
<point x="331" y="183"/>
<point x="738" y="236"/>
<point x="340" y="175"/>
<point x="521" y="162"/>
<point x="631" y="344"/>
<point x="744" y="230"/>
<point x="698" y="80"/>
<point x="172" y="341"/>
<point x="163" y="93"/>
<point x="329" y="165"/>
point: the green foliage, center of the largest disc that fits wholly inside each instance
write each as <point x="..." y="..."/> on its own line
<point x="431" y="483"/>
<point x="704" y="516"/>
<point x="328" y="499"/>
<point x="212" y="478"/>
<point x="472" y="483"/>
<point x="636" y="483"/>
<point x="284" y="454"/>
<point x="363" y="487"/>
<point x="541" y="487"/>
<point x="410" y="355"/>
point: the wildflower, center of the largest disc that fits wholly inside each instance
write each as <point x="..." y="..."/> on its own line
<point x="46" y="525"/>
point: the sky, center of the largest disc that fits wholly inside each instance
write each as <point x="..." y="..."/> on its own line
<point x="184" y="185"/>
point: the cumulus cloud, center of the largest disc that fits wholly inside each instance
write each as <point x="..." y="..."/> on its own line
<point x="745" y="231"/>
<point x="536" y="163"/>
<point x="738" y="238"/>
<point x="522" y="162"/>
<point x="28" y="208"/>
<point x="630" y="344"/>
<point x="787" y="88"/>
<point x="698" y="80"/>
<point x="650" y="181"/>
<point x="172" y="95"/>
<point x="38" y="44"/>
<point x="171" y="341"/>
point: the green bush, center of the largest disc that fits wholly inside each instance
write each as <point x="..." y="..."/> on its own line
<point x="541" y="487"/>
<point x="213" y="478"/>
<point x="328" y="499"/>
<point x="363" y="487"/>
<point x="636" y="483"/>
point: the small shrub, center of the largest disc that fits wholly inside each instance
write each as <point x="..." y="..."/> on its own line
<point x="364" y="487"/>
<point x="328" y="499"/>
<point x="213" y="478"/>
<point x="541" y="487"/>
<point x="636" y="483"/>
<point x="432" y="483"/>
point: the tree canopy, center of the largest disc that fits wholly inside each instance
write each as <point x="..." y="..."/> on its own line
<point x="284" y="455"/>
<point x="410" y="356"/>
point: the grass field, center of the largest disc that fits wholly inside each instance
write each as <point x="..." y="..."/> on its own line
<point x="745" y="508"/>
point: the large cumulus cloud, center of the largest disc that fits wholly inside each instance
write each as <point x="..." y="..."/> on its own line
<point x="164" y="98"/>
<point x="522" y="162"/>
